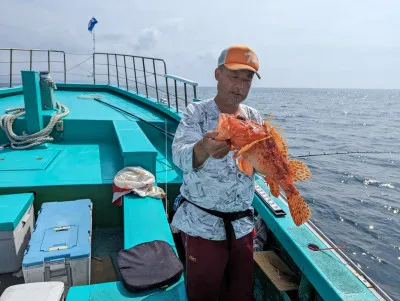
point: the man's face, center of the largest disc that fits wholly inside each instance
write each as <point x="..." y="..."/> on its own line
<point x="233" y="85"/>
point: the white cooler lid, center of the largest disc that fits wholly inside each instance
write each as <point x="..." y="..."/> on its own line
<point x="36" y="291"/>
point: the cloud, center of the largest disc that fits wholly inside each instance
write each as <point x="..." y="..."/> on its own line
<point x="147" y="39"/>
<point x="309" y="43"/>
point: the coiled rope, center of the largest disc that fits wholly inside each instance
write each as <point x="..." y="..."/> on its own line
<point x="28" y="141"/>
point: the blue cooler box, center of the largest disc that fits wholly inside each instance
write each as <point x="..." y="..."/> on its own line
<point x="60" y="246"/>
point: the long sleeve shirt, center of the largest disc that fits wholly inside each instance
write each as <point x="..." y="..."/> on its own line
<point x="217" y="184"/>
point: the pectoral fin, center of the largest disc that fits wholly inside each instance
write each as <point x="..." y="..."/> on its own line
<point x="245" y="166"/>
<point x="299" y="170"/>
<point x="273" y="186"/>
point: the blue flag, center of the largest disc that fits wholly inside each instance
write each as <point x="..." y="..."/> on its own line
<point x="92" y="23"/>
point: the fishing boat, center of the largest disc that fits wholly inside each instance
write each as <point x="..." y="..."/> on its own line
<point x="126" y="117"/>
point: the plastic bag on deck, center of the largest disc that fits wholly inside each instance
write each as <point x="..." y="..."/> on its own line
<point x="135" y="179"/>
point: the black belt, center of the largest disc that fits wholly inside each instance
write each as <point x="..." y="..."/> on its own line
<point x="228" y="218"/>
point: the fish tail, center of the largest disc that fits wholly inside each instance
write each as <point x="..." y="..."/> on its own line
<point x="299" y="209"/>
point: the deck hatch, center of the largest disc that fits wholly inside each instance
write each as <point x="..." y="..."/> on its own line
<point x="32" y="159"/>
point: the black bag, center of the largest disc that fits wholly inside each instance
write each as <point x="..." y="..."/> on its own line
<point x="149" y="265"/>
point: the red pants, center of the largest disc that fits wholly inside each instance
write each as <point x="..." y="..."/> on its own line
<point x="205" y="265"/>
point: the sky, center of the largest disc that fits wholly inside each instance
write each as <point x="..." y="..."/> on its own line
<point x="300" y="44"/>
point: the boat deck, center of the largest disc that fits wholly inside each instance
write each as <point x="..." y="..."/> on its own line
<point x="87" y="152"/>
<point x="98" y="141"/>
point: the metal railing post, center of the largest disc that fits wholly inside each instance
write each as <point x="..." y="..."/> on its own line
<point x="10" y="68"/>
<point x="116" y="67"/>
<point x="145" y="78"/>
<point x="65" y="69"/>
<point x="108" y="69"/>
<point x="166" y="84"/>
<point x="176" y="96"/>
<point x="30" y="60"/>
<point x="48" y="60"/>
<point x="184" y="84"/>
<point x="155" y="77"/>
<point x="134" y="70"/>
<point x="126" y="74"/>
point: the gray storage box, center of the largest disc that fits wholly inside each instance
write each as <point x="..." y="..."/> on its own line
<point x="16" y="224"/>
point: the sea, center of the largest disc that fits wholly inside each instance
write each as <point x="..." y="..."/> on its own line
<point x="354" y="197"/>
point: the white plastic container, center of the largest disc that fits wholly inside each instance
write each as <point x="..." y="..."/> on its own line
<point x="16" y="224"/>
<point x="60" y="247"/>
<point x="40" y="291"/>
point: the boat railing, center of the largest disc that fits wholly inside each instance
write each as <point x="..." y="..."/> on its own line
<point x="12" y="60"/>
<point x="144" y="75"/>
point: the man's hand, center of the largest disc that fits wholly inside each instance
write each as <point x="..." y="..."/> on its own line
<point x="208" y="146"/>
<point x="216" y="149"/>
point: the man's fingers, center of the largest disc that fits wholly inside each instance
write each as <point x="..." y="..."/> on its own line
<point x="211" y="134"/>
<point x="221" y="151"/>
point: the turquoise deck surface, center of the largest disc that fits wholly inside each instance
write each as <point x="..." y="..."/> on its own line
<point x="89" y="109"/>
<point x="144" y="221"/>
<point x="13" y="208"/>
<point x="74" y="164"/>
<point x="89" y="150"/>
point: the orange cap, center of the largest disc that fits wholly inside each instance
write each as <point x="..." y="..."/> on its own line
<point x="237" y="57"/>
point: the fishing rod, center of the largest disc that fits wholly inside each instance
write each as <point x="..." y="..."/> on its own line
<point x="134" y="116"/>
<point x="345" y="153"/>
<point x="299" y="156"/>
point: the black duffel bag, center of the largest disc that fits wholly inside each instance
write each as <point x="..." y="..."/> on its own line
<point x="148" y="266"/>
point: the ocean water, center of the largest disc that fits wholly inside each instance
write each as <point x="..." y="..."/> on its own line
<point x="354" y="198"/>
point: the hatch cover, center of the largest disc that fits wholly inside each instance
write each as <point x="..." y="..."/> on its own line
<point x="32" y="159"/>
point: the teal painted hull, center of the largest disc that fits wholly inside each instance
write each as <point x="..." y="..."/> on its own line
<point x="97" y="142"/>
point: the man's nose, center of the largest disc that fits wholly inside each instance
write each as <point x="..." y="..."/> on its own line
<point x="241" y="85"/>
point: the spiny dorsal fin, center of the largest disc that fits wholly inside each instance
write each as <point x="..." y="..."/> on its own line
<point x="280" y="142"/>
<point x="299" y="170"/>
<point x="250" y="145"/>
<point x="268" y="119"/>
<point x="276" y="134"/>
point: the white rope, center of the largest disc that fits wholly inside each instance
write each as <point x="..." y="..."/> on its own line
<point x="90" y="96"/>
<point x="28" y="141"/>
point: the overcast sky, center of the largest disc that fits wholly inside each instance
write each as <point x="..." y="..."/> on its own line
<point x="306" y="43"/>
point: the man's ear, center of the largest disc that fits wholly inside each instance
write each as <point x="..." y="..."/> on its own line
<point x="217" y="73"/>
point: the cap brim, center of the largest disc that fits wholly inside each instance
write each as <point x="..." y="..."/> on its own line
<point x="242" y="67"/>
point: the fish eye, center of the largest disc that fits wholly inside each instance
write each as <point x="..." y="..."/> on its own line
<point x="240" y="117"/>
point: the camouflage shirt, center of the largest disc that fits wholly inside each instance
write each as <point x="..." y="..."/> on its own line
<point x="217" y="184"/>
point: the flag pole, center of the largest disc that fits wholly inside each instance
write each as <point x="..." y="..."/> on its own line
<point x="94" y="41"/>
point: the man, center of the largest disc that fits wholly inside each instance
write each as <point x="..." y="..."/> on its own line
<point x="215" y="216"/>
